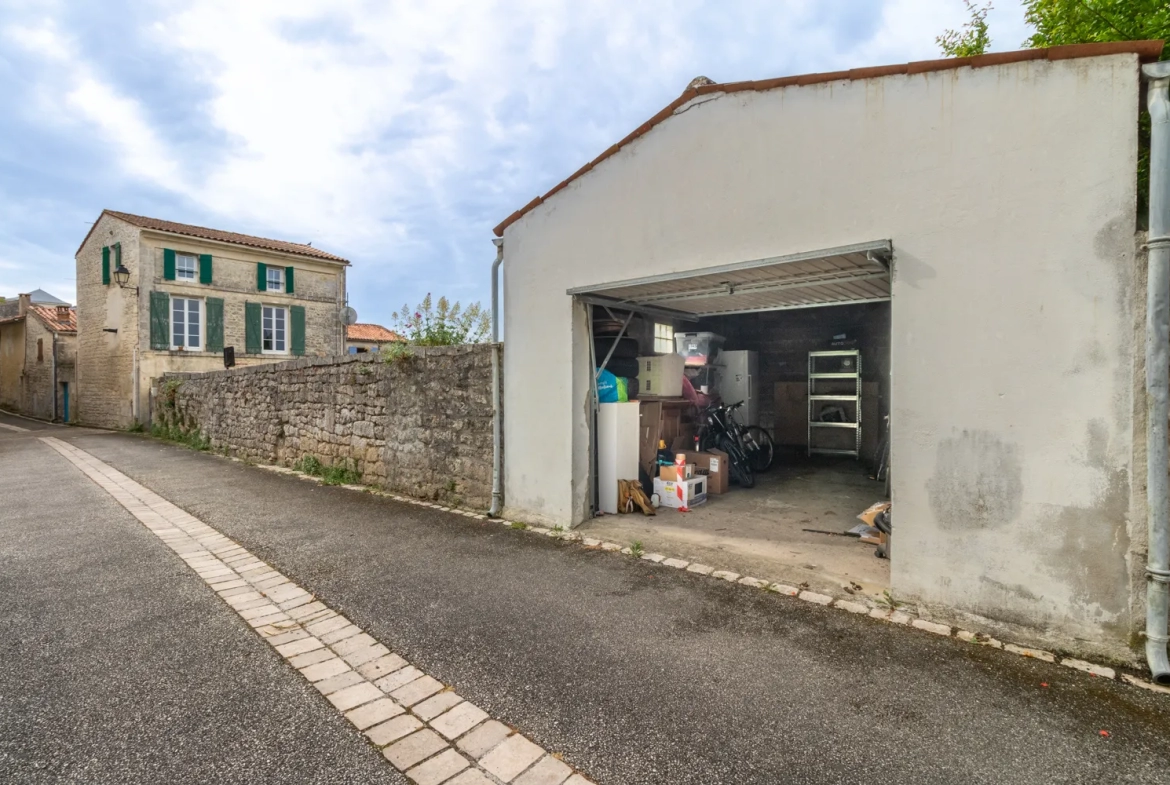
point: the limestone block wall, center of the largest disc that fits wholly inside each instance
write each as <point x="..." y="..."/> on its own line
<point x="418" y="425"/>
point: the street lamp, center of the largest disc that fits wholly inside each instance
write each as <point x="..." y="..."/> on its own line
<point x="121" y="276"/>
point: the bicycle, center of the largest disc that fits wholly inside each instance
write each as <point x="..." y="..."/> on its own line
<point x="721" y="431"/>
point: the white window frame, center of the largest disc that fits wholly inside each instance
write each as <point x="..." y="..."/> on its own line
<point x="268" y="312"/>
<point x="663" y="338"/>
<point x="279" y="287"/>
<point x="181" y="272"/>
<point x="200" y="314"/>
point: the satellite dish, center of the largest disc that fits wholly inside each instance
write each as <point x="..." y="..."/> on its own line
<point x="348" y="316"/>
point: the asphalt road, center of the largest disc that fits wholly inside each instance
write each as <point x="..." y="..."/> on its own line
<point x="117" y="665"/>
<point x="635" y="673"/>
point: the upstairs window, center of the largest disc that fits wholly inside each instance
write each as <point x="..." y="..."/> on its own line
<point x="186" y="266"/>
<point x="663" y="339"/>
<point x="275" y="279"/>
<point x="186" y="324"/>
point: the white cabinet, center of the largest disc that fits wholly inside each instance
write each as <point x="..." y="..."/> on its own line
<point x="617" y="450"/>
<point x="739" y="374"/>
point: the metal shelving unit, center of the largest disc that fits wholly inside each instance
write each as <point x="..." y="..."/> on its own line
<point x="844" y="359"/>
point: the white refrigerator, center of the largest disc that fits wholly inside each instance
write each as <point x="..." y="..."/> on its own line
<point x="739" y="374"/>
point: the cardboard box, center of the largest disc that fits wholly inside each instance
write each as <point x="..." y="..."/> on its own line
<point x="661" y="375"/>
<point x="687" y="493"/>
<point x="713" y="464"/>
<point x="670" y="473"/>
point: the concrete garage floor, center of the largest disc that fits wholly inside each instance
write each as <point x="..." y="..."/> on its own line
<point x="759" y="531"/>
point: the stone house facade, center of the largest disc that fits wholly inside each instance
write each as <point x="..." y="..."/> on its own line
<point x="38" y="353"/>
<point x="190" y="293"/>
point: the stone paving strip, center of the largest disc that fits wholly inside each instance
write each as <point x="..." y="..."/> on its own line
<point x="422" y="726"/>
<point x="853" y="604"/>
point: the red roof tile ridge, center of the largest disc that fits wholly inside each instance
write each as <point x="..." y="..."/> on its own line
<point x="1147" y="51"/>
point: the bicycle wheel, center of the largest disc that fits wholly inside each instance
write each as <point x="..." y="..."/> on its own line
<point x="760" y="449"/>
<point x="739" y="467"/>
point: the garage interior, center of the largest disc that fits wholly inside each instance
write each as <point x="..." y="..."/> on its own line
<point x="779" y="321"/>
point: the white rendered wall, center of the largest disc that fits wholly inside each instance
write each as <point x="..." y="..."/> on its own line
<point x="1009" y="195"/>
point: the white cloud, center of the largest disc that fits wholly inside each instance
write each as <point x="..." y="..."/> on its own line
<point x="399" y="132"/>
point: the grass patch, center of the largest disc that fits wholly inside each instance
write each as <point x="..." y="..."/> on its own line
<point x="172" y="433"/>
<point x="396" y="352"/>
<point x="136" y="428"/>
<point x="337" y="474"/>
<point x="518" y="525"/>
<point x="636" y="549"/>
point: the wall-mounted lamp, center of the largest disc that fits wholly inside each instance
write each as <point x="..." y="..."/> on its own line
<point x="122" y="277"/>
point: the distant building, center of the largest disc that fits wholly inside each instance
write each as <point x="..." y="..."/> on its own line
<point x="38" y="353"/>
<point x="156" y="296"/>
<point x="361" y="338"/>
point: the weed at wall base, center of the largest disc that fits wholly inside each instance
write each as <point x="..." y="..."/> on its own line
<point x="172" y="433"/>
<point x="338" y="474"/>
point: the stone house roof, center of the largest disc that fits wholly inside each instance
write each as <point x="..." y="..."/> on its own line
<point x="189" y="230"/>
<point x="370" y="332"/>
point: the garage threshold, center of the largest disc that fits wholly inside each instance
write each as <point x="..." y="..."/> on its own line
<point x="760" y="531"/>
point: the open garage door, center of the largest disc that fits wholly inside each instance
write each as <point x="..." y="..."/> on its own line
<point x="833" y="276"/>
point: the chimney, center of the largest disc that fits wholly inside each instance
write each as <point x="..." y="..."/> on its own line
<point x="63" y="311"/>
<point x="24" y="299"/>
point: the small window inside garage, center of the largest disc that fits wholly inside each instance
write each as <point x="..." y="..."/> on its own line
<point x="750" y="404"/>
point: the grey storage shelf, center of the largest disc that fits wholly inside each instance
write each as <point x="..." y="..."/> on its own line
<point x="837" y="368"/>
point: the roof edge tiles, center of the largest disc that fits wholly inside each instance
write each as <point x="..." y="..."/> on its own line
<point x="216" y="235"/>
<point x="1147" y="51"/>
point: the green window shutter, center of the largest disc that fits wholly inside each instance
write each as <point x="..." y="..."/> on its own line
<point x="106" y="265"/>
<point x="261" y="277"/>
<point x="288" y="280"/>
<point x="297" y="314"/>
<point x="205" y="268"/>
<point x="117" y="255"/>
<point x="215" y="324"/>
<point x="168" y="264"/>
<point x="252" y="328"/>
<point x="160" y="321"/>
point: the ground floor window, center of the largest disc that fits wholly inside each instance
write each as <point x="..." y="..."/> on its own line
<point x="186" y="323"/>
<point x="275" y="321"/>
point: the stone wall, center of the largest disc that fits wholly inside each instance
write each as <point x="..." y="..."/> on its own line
<point x="419" y="425"/>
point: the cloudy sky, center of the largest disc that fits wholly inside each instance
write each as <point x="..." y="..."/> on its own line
<point x="396" y="134"/>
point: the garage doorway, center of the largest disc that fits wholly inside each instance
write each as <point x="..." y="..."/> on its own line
<point x="804" y="341"/>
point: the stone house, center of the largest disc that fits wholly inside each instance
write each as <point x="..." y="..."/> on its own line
<point x="155" y="297"/>
<point x="968" y="229"/>
<point x="362" y="338"/>
<point x="38" y="354"/>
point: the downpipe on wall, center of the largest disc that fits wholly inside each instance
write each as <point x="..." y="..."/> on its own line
<point x="497" y="430"/>
<point x="1158" y="375"/>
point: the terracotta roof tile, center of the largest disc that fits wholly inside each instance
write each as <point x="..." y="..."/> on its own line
<point x="1147" y="51"/>
<point x="57" y="318"/>
<point x="370" y="332"/>
<point x="171" y="227"/>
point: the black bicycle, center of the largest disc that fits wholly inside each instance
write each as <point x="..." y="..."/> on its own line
<point x="719" y="429"/>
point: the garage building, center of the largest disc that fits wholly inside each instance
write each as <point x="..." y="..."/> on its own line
<point x="967" y="228"/>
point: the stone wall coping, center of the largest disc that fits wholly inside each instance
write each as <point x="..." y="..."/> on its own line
<point x="422" y="352"/>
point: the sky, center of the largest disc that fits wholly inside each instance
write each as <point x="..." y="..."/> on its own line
<point x="394" y="134"/>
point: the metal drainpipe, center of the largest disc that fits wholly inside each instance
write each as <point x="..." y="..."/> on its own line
<point x="54" y="376"/>
<point x="1158" y="374"/>
<point x="497" y="435"/>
